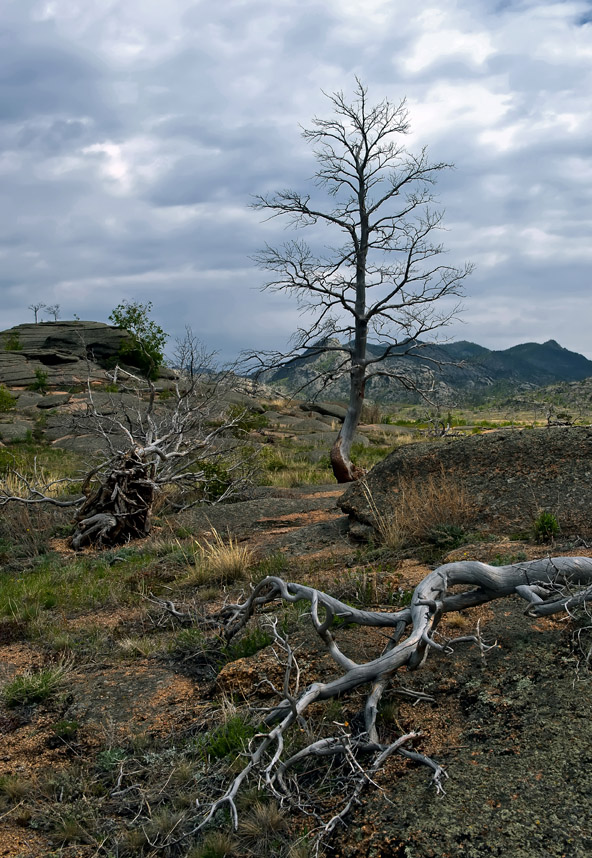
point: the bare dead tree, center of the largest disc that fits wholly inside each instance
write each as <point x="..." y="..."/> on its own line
<point x="35" y="308"/>
<point x="374" y="295"/>
<point x="184" y="446"/>
<point x="54" y="310"/>
<point x="548" y="586"/>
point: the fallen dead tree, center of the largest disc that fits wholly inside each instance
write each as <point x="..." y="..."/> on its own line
<point x="185" y="447"/>
<point x="548" y="586"/>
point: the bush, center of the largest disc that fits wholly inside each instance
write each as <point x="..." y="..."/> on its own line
<point x="33" y="687"/>
<point x="145" y="350"/>
<point x="247" y="420"/>
<point x="217" y="561"/>
<point x="40" y="383"/>
<point x="7" y="401"/>
<point x="230" y="738"/>
<point x="545" y="527"/>
<point x="12" y="342"/>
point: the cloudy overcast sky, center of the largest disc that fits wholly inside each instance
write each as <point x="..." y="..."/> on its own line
<point x="133" y="133"/>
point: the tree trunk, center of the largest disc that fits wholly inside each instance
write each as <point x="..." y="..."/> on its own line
<point x="120" y="508"/>
<point x="344" y="469"/>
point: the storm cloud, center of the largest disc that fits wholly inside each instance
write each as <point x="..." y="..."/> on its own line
<point x="134" y="134"/>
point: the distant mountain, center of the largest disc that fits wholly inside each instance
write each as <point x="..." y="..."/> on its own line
<point x="455" y="371"/>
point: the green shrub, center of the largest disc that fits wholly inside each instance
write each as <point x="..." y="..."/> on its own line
<point x="508" y="559"/>
<point x="145" y="349"/>
<point x="7" y="401"/>
<point x="40" y="383"/>
<point x="231" y="738"/>
<point x="33" y="687"/>
<point x="12" y="342"/>
<point x="545" y="527"/>
<point x="217" y="479"/>
<point x="247" y="420"/>
<point x="248" y="645"/>
<point x="66" y="730"/>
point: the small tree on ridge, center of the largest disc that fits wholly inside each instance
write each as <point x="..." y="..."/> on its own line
<point x="146" y="347"/>
<point x="383" y="284"/>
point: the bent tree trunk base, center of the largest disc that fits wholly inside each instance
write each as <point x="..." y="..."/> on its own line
<point x="548" y="586"/>
<point x="120" y="507"/>
<point x="344" y="469"/>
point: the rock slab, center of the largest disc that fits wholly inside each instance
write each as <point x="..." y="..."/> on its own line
<point x="510" y="476"/>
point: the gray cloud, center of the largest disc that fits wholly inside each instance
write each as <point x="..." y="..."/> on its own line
<point x="132" y="137"/>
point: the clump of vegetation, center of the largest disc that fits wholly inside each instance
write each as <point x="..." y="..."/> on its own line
<point x="217" y="844"/>
<point x="286" y="467"/>
<point x="12" y="343"/>
<point x="247" y="419"/>
<point x="145" y="349"/>
<point x="216" y="480"/>
<point x="40" y="383"/>
<point x="248" y="645"/>
<point x="545" y="527"/>
<point x="436" y="512"/>
<point x="34" y="687"/>
<point x="221" y="561"/>
<point x="262" y="827"/>
<point x="7" y="401"/>
<point x="230" y="738"/>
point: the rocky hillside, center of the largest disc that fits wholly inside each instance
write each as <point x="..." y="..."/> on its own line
<point x="458" y="371"/>
<point x="66" y="353"/>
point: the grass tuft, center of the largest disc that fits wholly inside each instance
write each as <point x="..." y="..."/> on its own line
<point x="436" y="510"/>
<point x="221" y="561"/>
<point x="34" y="687"/>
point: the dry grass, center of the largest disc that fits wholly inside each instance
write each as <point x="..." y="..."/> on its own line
<point x="219" y="560"/>
<point x="420" y="508"/>
<point x="46" y="482"/>
<point x="261" y="826"/>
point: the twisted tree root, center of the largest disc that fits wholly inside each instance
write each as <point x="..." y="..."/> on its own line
<point x="549" y="586"/>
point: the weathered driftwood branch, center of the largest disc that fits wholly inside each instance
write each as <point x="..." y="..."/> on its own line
<point x="548" y="586"/>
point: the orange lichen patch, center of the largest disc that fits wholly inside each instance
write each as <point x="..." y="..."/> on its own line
<point x="440" y="724"/>
<point x="411" y="572"/>
<point x="25" y="750"/>
<point x="299" y="519"/>
<point x="458" y="623"/>
<point x="110" y="619"/>
<point x="552" y="623"/>
<point x="251" y="676"/>
<point x="16" y="658"/>
<point x="175" y="703"/>
<point x="18" y="843"/>
<point x="331" y="493"/>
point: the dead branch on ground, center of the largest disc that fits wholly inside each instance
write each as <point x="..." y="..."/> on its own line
<point x="548" y="586"/>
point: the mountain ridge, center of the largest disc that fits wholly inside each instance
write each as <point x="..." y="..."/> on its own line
<point x="453" y="371"/>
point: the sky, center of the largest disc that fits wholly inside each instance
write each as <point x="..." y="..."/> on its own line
<point x="134" y="134"/>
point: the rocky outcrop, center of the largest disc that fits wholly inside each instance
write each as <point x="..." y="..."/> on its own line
<point x="66" y="353"/>
<point x="66" y="340"/>
<point x="510" y="477"/>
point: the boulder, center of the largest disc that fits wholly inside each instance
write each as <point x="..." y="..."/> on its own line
<point x="509" y="476"/>
<point x="89" y="445"/>
<point x="53" y="400"/>
<point x="327" y="408"/>
<point x="236" y="397"/>
<point x="28" y="399"/>
<point x="17" y="430"/>
<point x="16" y="370"/>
